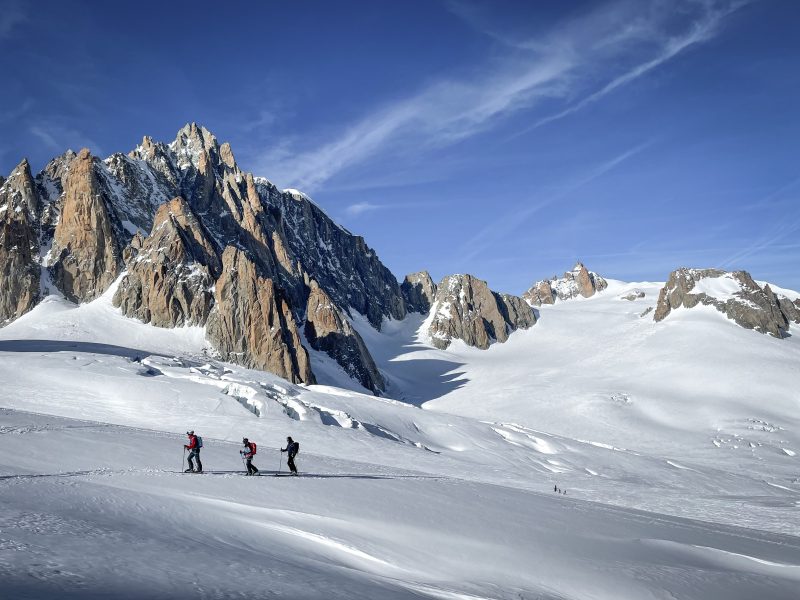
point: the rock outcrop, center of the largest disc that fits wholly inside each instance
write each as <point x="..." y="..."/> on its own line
<point x="252" y="324"/>
<point x="86" y="253"/>
<point x="418" y="292"/>
<point x="790" y="309"/>
<point x="735" y="294"/>
<point x="328" y="330"/>
<point x="578" y="282"/>
<point x="540" y="293"/>
<point x="19" y="247"/>
<point x="343" y="265"/>
<point x="465" y="308"/>
<point x="633" y="295"/>
<point x="516" y="312"/>
<point x="170" y="276"/>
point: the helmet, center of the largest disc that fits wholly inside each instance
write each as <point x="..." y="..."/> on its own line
<point x="190" y="432"/>
<point x="244" y="440"/>
<point x="289" y="439"/>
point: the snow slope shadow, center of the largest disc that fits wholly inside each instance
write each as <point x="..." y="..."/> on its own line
<point x="71" y="346"/>
<point x="418" y="380"/>
<point x="415" y="371"/>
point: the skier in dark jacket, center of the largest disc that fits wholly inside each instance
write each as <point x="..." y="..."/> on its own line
<point x="248" y="453"/>
<point x="292" y="448"/>
<point x="194" y="452"/>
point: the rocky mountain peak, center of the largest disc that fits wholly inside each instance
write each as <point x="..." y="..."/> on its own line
<point x="169" y="213"/>
<point x="19" y="233"/>
<point x="419" y="291"/>
<point x="193" y="146"/>
<point x="577" y="282"/>
<point x="86" y="248"/>
<point x="21" y="189"/>
<point x="734" y="294"/>
<point x="465" y="308"/>
<point x="170" y="279"/>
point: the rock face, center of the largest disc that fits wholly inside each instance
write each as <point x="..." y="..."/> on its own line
<point x="418" y="292"/>
<point x="327" y="329"/>
<point x="87" y="254"/>
<point x="734" y="294"/>
<point x="170" y="276"/>
<point x="540" y="293"/>
<point x="578" y="282"/>
<point x="19" y="245"/>
<point x="341" y="263"/>
<point x="516" y="312"/>
<point x="465" y="308"/>
<point x="89" y="218"/>
<point x="252" y="323"/>
<point x="789" y="308"/>
<point x="633" y="295"/>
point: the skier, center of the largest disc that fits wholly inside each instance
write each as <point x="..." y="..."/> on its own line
<point x="292" y="448"/>
<point x="555" y="488"/>
<point x="248" y="453"/>
<point x="193" y="447"/>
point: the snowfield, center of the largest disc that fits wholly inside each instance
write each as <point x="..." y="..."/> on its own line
<point x="676" y="443"/>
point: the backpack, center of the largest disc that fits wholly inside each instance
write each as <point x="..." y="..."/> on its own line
<point x="199" y="441"/>
<point x="253" y="448"/>
<point x="296" y="447"/>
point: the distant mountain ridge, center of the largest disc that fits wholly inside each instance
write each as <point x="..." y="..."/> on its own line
<point x="194" y="240"/>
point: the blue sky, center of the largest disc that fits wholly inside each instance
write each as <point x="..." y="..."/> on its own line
<point x="504" y="139"/>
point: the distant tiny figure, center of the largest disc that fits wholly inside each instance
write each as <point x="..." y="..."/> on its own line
<point x="558" y="490"/>
<point x="248" y="453"/>
<point x="292" y="448"/>
<point x="194" y="445"/>
<point x="555" y="488"/>
<point x="565" y="492"/>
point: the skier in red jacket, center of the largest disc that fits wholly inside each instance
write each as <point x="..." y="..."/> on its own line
<point x="194" y="452"/>
<point x="248" y="453"/>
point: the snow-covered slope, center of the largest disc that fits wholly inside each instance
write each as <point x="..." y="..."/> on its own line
<point x="445" y="491"/>
<point x="115" y="517"/>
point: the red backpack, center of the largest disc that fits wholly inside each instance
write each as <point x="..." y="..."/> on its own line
<point x="253" y="448"/>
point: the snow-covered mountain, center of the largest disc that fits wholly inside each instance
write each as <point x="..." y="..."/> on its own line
<point x="165" y="290"/>
<point x="735" y="295"/>
<point x="82" y="222"/>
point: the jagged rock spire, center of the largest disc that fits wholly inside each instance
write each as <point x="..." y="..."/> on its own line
<point x="19" y="267"/>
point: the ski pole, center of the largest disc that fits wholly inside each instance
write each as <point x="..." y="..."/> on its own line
<point x="183" y="460"/>
<point x="280" y="460"/>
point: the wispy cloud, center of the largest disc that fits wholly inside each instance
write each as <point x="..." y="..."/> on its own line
<point x="767" y="241"/>
<point x="440" y="115"/>
<point x="11" y="14"/>
<point x="508" y="222"/>
<point x="700" y="30"/>
<point x="360" y="208"/>
<point x="59" y="138"/>
<point x="776" y="197"/>
<point x="558" y="64"/>
<point x="18" y="112"/>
